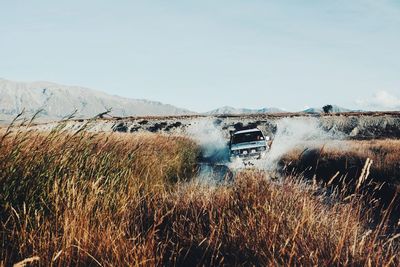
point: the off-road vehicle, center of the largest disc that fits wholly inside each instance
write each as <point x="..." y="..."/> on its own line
<point x="248" y="144"/>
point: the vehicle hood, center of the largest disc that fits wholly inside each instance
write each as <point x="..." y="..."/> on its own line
<point x="248" y="145"/>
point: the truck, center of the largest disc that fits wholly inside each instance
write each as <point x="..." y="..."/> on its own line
<point x="248" y="144"/>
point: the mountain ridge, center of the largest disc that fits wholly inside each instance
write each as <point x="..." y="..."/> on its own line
<point x="228" y="110"/>
<point x="58" y="101"/>
<point x="335" y="109"/>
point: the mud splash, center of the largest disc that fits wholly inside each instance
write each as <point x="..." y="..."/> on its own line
<point x="215" y="165"/>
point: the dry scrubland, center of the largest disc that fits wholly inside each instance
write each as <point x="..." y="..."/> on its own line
<point x="119" y="200"/>
<point x="339" y="165"/>
<point x="348" y="155"/>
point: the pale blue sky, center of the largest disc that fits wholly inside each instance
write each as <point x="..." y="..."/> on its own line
<point x="204" y="54"/>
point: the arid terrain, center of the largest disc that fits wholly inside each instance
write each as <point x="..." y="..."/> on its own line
<point x="133" y="191"/>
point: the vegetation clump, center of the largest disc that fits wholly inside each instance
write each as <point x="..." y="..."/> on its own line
<point x="327" y="109"/>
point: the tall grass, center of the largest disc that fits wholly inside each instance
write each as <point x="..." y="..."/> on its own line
<point x="350" y="155"/>
<point x="258" y="222"/>
<point x="370" y="168"/>
<point x="122" y="200"/>
<point x="71" y="192"/>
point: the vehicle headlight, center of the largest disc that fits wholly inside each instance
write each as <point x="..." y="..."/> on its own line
<point x="262" y="148"/>
<point x="235" y="152"/>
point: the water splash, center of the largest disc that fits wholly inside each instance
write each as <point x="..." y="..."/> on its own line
<point x="291" y="133"/>
<point x="212" y="141"/>
<point x="294" y="133"/>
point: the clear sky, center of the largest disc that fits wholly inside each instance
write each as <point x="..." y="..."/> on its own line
<point x="205" y="54"/>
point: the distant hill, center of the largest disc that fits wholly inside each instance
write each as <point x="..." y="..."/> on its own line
<point x="58" y="101"/>
<point x="231" y="110"/>
<point x="335" y="109"/>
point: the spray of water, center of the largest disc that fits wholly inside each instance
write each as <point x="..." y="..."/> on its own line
<point x="294" y="133"/>
<point x="291" y="133"/>
<point x="215" y="152"/>
<point x="211" y="139"/>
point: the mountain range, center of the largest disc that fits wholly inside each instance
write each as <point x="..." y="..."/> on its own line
<point x="59" y="101"/>
<point x="335" y="109"/>
<point x="226" y="110"/>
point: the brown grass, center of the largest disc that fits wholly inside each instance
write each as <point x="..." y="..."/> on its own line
<point x="123" y="200"/>
<point x="350" y="155"/>
<point x="71" y="192"/>
<point x="338" y="166"/>
<point x="347" y="158"/>
<point x="258" y="222"/>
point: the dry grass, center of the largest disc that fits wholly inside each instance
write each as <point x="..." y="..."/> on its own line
<point x="121" y="200"/>
<point x="74" y="192"/>
<point x="338" y="165"/>
<point x="349" y="156"/>
<point x="365" y="148"/>
<point x="259" y="222"/>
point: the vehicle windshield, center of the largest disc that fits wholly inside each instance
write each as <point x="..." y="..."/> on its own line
<point x="247" y="137"/>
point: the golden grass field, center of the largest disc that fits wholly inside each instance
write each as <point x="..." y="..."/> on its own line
<point x="385" y="154"/>
<point x="132" y="200"/>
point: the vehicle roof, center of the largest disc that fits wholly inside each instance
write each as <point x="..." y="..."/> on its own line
<point x="248" y="131"/>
